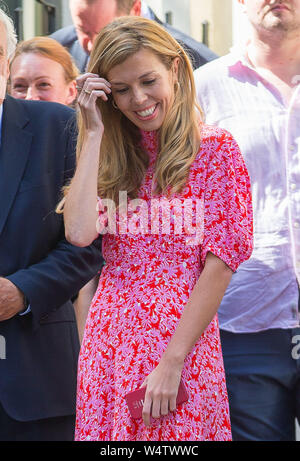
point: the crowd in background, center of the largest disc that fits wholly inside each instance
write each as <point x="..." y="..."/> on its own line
<point x="241" y="367"/>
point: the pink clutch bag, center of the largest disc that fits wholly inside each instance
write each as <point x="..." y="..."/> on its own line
<point x="135" y="400"/>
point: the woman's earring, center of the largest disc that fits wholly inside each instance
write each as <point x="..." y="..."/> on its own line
<point x="114" y="105"/>
<point x="177" y="85"/>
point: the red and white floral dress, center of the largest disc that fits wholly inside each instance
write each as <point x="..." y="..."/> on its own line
<point x="142" y="292"/>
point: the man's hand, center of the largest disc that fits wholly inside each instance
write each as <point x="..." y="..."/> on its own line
<point x="11" y="300"/>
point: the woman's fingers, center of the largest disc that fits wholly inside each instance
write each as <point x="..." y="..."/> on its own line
<point x="88" y="97"/>
<point x="147" y="409"/>
<point x="172" y="403"/>
<point x="87" y="83"/>
<point x="157" y="407"/>
<point x="164" y="406"/>
<point x="82" y="78"/>
<point x="80" y="81"/>
<point x="90" y="88"/>
<point x="161" y="392"/>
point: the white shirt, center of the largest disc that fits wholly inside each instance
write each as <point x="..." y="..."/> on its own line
<point x="264" y="292"/>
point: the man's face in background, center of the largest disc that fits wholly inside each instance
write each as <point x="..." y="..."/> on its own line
<point x="273" y="15"/>
<point x="90" y="18"/>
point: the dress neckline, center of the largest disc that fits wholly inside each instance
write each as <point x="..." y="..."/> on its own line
<point x="149" y="141"/>
<point x="149" y="135"/>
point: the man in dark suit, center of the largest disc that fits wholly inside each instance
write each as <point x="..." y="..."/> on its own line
<point x="39" y="270"/>
<point x="90" y="16"/>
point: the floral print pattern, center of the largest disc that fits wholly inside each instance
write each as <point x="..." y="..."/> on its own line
<point x="142" y="292"/>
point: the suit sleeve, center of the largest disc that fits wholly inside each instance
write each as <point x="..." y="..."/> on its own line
<point x="55" y="279"/>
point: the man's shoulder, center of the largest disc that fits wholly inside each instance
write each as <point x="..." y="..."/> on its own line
<point x="198" y="51"/>
<point x="220" y="64"/>
<point x="214" y="71"/>
<point x="38" y="113"/>
<point x="66" y="36"/>
<point x="46" y="108"/>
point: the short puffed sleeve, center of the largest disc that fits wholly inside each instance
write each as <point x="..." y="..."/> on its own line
<point x="228" y="218"/>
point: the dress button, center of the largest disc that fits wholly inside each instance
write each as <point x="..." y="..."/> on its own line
<point x="293" y="186"/>
<point x="296" y="224"/>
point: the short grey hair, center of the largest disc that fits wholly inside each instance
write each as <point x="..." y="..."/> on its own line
<point x="11" y="35"/>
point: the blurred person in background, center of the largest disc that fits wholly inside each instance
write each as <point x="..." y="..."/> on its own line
<point x="254" y="93"/>
<point x="90" y="16"/>
<point x="40" y="271"/>
<point x="43" y="70"/>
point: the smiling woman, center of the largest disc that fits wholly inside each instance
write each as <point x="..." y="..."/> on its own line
<point x="42" y="69"/>
<point x="143" y="93"/>
<point x="152" y="321"/>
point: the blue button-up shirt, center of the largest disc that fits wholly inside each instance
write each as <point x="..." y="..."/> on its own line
<point x="264" y="292"/>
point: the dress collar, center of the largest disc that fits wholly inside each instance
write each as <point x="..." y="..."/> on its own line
<point x="149" y="141"/>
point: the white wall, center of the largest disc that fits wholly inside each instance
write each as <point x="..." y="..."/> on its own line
<point x="219" y="23"/>
<point x="157" y="7"/>
<point x="180" y="12"/>
<point x="66" y="16"/>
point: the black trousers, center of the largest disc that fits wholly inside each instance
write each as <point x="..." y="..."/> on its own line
<point x="58" y="429"/>
<point x="263" y="382"/>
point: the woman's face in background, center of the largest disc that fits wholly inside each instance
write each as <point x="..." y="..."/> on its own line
<point x="143" y="89"/>
<point x="38" y="78"/>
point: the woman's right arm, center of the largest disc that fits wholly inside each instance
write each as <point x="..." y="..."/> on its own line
<point x="80" y="209"/>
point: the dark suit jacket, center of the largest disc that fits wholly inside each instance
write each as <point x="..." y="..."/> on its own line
<point x="199" y="53"/>
<point x="38" y="376"/>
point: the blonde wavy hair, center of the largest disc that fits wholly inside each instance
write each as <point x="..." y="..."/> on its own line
<point x="122" y="162"/>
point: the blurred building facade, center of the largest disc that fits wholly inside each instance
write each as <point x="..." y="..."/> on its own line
<point x="217" y="23"/>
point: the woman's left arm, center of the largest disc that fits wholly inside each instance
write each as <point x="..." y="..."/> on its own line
<point x="163" y="382"/>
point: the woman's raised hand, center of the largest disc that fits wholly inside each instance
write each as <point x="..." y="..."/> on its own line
<point x="91" y="87"/>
